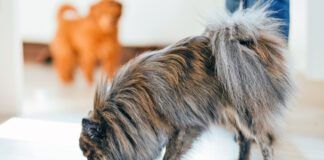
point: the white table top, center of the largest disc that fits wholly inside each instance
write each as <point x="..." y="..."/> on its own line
<point x="30" y="139"/>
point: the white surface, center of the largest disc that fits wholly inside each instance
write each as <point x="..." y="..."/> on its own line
<point x="10" y="59"/>
<point x="29" y="139"/>
<point x="40" y="131"/>
<point x="215" y="144"/>
<point x="46" y="97"/>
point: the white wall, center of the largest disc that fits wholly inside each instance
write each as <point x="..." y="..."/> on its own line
<point x="165" y="21"/>
<point x="298" y="34"/>
<point x="315" y="41"/>
<point x="144" y="21"/>
<point x="37" y="17"/>
<point x="306" y="41"/>
<point x="10" y="59"/>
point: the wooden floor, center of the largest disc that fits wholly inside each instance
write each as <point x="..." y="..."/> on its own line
<point x="47" y="103"/>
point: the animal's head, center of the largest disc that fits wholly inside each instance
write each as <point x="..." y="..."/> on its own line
<point x="96" y="134"/>
<point x="106" y="14"/>
<point x="92" y="139"/>
<point x="101" y="137"/>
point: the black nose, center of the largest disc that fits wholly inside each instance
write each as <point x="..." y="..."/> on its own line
<point x="85" y="122"/>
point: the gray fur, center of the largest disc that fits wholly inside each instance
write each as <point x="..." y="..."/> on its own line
<point x="234" y="75"/>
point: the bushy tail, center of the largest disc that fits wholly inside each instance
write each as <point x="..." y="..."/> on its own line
<point x="64" y="9"/>
<point x="243" y="44"/>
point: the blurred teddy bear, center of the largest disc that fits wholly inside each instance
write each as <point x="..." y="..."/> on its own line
<point x="87" y="40"/>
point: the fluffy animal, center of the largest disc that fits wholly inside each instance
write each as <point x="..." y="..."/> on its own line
<point x="234" y="75"/>
<point x="87" y="40"/>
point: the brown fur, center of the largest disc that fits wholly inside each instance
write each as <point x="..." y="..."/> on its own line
<point x="86" y="40"/>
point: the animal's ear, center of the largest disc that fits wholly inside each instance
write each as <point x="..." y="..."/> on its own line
<point x="92" y="129"/>
<point x="92" y="10"/>
<point x="118" y="7"/>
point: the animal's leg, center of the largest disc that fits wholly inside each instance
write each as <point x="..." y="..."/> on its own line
<point x="180" y="143"/>
<point x="110" y="59"/>
<point x="261" y="133"/>
<point x="110" y="67"/>
<point x="88" y="63"/>
<point x="266" y="145"/>
<point x="64" y="61"/>
<point x="245" y="145"/>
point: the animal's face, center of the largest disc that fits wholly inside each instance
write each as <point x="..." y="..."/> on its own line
<point x="97" y="140"/>
<point x="106" y="14"/>
<point x="92" y="140"/>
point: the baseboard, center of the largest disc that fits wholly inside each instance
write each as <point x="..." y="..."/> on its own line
<point x="40" y="53"/>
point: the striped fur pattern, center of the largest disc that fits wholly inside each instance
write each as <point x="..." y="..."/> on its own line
<point x="233" y="75"/>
